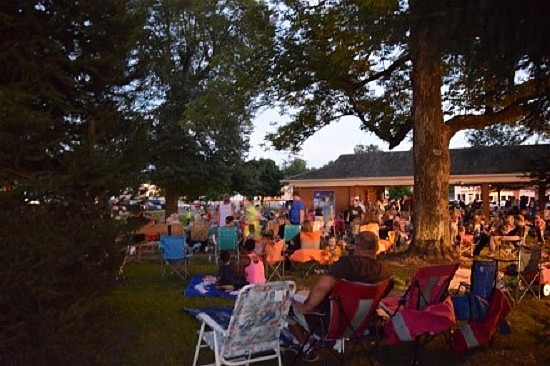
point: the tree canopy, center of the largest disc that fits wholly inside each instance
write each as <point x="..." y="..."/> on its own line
<point x="433" y="66"/>
<point x="67" y="143"/>
<point x="353" y="58"/>
<point x="294" y="167"/>
<point x="257" y="178"/>
<point x="499" y="135"/>
<point x="365" y="149"/>
<point x="207" y="60"/>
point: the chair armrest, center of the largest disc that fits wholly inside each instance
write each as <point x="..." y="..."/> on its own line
<point x="205" y="318"/>
<point x="386" y="309"/>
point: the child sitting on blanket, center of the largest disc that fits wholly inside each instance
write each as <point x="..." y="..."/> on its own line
<point x="228" y="278"/>
<point x="251" y="267"/>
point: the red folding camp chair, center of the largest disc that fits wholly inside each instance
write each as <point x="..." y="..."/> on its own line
<point x="352" y="311"/>
<point x="424" y="310"/>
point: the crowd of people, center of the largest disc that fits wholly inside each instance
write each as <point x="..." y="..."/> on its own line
<point x="510" y="224"/>
<point x="358" y="231"/>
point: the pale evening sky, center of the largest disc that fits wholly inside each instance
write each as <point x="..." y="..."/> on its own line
<point x="327" y="144"/>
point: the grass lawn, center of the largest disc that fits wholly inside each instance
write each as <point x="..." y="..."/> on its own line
<point x="152" y="329"/>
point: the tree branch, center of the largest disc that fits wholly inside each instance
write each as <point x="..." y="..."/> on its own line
<point x="511" y="113"/>
<point x="382" y="74"/>
<point x="393" y="139"/>
<point x="514" y="107"/>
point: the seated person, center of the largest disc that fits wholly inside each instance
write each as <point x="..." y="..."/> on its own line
<point x="482" y="240"/>
<point x="540" y="228"/>
<point x="332" y="251"/>
<point x="251" y="267"/>
<point x="199" y="231"/>
<point x="282" y="222"/>
<point x="361" y="267"/>
<point x="267" y="239"/>
<point x="309" y="239"/>
<point x="228" y="278"/>
<point x="459" y="238"/>
<point x="339" y="226"/>
<point x="342" y="244"/>
<point x="510" y="233"/>
<point x="273" y="249"/>
<point x="251" y="232"/>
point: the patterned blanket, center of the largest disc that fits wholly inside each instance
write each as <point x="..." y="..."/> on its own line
<point x="202" y="286"/>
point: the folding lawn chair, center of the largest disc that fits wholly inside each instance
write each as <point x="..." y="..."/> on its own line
<point x="473" y="304"/>
<point x="308" y="259"/>
<point x="352" y="317"/>
<point x="507" y="245"/>
<point x="523" y="276"/>
<point x="291" y="231"/>
<point x="275" y="260"/>
<point x="254" y="329"/>
<point x="425" y="309"/>
<point x="484" y="307"/>
<point x="227" y="240"/>
<point x="175" y="255"/>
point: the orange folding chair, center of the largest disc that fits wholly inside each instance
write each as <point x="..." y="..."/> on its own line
<point x="274" y="259"/>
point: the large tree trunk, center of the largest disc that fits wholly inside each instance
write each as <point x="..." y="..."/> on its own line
<point x="171" y="205"/>
<point x="430" y="147"/>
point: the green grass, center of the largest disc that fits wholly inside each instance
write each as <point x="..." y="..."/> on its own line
<point x="151" y="327"/>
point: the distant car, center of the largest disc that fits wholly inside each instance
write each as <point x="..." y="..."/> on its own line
<point x="153" y="205"/>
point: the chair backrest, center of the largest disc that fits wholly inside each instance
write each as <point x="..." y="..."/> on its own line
<point x="524" y="237"/>
<point x="258" y="317"/>
<point x="199" y="231"/>
<point x="310" y="240"/>
<point x="227" y="238"/>
<point x="291" y="231"/>
<point x="483" y="278"/>
<point x="529" y="259"/>
<point x="162" y="229"/>
<point x="352" y="306"/>
<point x="372" y="227"/>
<point x="429" y="286"/>
<point x="274" y="251"/>
<point x="177" y="229"/>
<point x="172" y="246"/>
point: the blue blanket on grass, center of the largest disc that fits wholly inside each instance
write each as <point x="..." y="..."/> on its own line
<point x="222" y="315"/>
<point x="198" y="288"/>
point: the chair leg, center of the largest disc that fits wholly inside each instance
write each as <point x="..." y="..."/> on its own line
<point x="198" y="348"/>
<point x="216" y="350"/>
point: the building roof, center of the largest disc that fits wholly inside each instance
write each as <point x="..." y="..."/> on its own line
<point x="471" y="161"/>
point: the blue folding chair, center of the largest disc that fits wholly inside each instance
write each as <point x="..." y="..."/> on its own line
<point x="175" y="255"/>
<point x="227" y="240"/>
<point x="291" y="231"/>
<point x="475" y="303"/>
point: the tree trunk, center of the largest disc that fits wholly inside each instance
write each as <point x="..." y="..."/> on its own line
<point x="171" y="204"/>
<point x="430" y="147"/>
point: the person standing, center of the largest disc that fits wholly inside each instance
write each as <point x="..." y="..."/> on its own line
<point x="355" y="216"/>
<point x="540" y="228"/>
<point x="252" y="219"/>
<point x="225" y="209"/>
<point x="328" y="214"/>
<point x="297" y="211"/>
